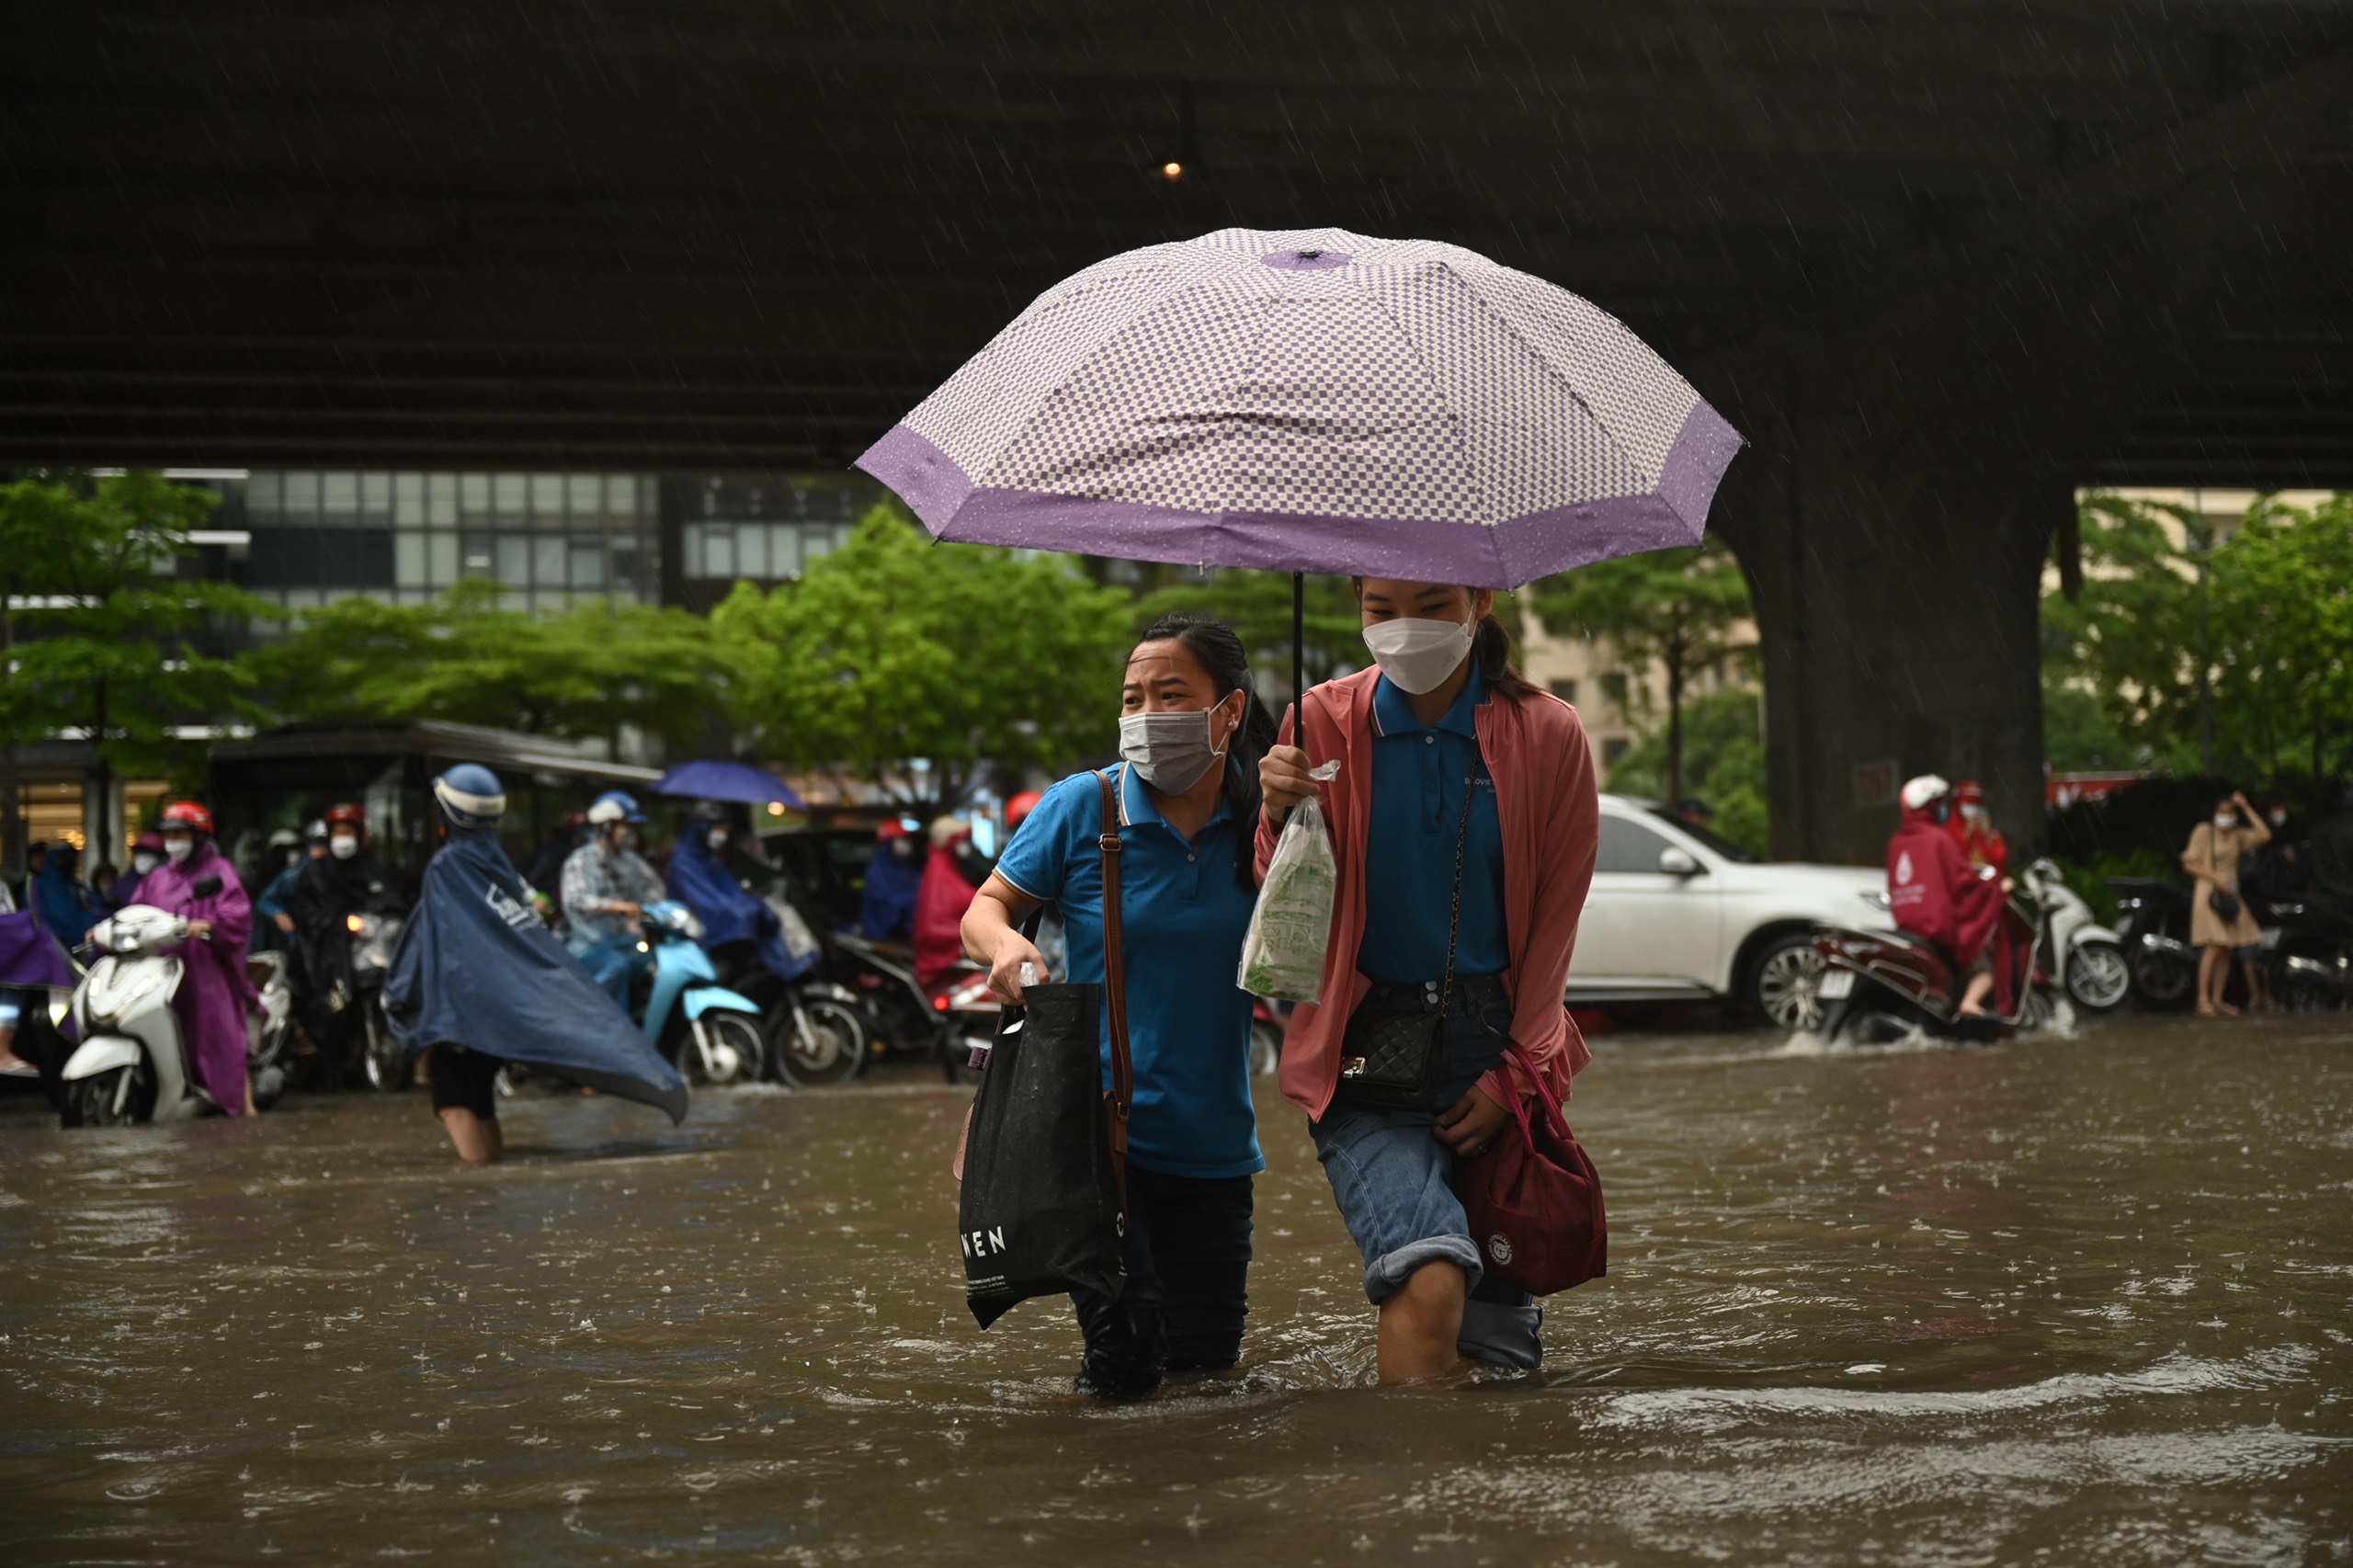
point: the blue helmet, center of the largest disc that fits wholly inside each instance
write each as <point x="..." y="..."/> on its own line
<point x="471" y="795"/>
<point x="614" y="806"/>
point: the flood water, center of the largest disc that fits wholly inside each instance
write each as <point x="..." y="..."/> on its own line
<point x="2066" y="1301"/>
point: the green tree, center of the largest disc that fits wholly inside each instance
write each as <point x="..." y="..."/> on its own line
<point x="2131" y="638"/>
<point x="1257" y="605"/>
<point x="2283" y="678"/>
<point x="1685" y="610"/>
<point x="98" y="630"/>
<point x="895" y="650"/>
<point x="585" y="674"/>
<point x="1723" y="765"/>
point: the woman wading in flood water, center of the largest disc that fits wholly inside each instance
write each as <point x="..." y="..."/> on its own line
<point x="1464" y="822"/>
<point x="1191" y="734"/>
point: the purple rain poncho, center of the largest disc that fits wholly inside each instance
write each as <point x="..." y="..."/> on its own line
<point x="215" y="994"/>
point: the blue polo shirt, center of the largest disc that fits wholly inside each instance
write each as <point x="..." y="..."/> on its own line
<point x="1419" y="772"/>
<point x="1184" y="910"/>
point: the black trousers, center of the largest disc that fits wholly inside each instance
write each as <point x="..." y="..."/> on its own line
<point x="1188" y="1261"/>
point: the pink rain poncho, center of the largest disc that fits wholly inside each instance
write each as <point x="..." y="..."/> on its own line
<point x="215" y="994"/>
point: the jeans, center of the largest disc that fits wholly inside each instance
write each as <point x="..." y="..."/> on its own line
<point x="1189" y="1256"/>
<point x="615" y="962"/>
<point x="1393" y="1182"/>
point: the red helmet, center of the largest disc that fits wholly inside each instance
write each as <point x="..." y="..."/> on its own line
<point x="189" y="814"/>
<point x="345" y="815"/>
<point x="1970" y="789"/>
<point x="889" y="829"/>
<point x="1020" y="806"/>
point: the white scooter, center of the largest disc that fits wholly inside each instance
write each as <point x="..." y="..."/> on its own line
<point x="132" y="1065"/>
<point x="2084" y="957"/>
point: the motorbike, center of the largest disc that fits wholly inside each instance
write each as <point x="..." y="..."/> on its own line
<point x="2084" y="957"/>
<point x="2310" y="954"/>
<point x="1881" y="985"/>
<point x="816" y="1030"/>
<point x="132" y="1065"/>
<point x="388" y="1067"/>
<point x="705" y="1029"/>
<point x="270" y="1028"/>
<point x="904" y="1015"/>
<point x="2153" y="924"/>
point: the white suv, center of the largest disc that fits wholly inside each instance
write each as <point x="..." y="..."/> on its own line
<point x="1677" y="913"/>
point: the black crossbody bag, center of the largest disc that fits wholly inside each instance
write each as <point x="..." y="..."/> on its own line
<point x="1394" y="1058"/>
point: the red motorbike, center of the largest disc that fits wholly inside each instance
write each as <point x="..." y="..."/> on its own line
<point x="1876" y="986"/>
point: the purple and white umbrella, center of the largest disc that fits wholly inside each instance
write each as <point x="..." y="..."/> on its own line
<point x="1315" y="401"/>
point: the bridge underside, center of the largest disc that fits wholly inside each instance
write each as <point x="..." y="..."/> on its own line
<point x="1941" y="263"/>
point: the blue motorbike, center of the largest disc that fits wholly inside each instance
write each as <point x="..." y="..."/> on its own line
<point x="710" y="1034"/>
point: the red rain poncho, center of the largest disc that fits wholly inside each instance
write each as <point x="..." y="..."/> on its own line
<point x="941" y="900"/>
<point x="1934" y="891"/>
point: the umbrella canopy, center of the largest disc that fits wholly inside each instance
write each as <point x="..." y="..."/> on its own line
<point x="1315" y="401"/>
<point x="727" y="781"/>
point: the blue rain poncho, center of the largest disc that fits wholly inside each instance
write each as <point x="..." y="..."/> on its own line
<point x="700" y="879"/>
<point x="477" y="967"/>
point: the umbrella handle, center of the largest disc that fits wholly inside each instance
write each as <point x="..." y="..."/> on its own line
<point x="1298" y="637"/>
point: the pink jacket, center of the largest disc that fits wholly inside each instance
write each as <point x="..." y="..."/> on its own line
<point x="1542" y="766"/>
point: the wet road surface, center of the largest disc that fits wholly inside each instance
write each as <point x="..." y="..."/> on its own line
<point x="2065" y="1302"/>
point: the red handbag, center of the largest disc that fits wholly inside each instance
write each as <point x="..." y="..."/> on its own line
<point x="1534" y="1201"/>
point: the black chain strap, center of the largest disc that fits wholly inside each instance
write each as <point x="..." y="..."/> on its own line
<point x="1454" y="920"/>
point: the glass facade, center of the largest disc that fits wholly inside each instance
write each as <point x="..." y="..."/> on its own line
<point x="767" y="527"/>
<point x="550" y="538"/>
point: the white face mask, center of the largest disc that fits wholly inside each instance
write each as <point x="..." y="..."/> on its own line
<point x="179" y="849"/>
<point x="142" y="863"/>
<point x="343" y="848"/>
<point x="2225" y="819"/>
<point x="2278" y="818"/>
<point x="1172" y="750"/>
<point x="1974" y="813"/>
<point x="717" y="839"/>
<point x="1418" y="656"/>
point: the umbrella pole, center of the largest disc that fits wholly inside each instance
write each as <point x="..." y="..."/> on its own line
<point x="1298" y="635"/>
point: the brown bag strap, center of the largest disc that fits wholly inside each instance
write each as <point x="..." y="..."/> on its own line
<point x="1115" y="986"/>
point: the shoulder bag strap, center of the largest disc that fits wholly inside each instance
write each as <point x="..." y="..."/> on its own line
<point x="1115" y="987"/>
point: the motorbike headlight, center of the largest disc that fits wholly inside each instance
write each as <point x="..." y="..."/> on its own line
<point x="690" y="924"/>
<point x="355" y="924"/>
<point x="1875" y="897"/>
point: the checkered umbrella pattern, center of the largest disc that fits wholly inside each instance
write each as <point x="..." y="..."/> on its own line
<point x="1315" y="401"/>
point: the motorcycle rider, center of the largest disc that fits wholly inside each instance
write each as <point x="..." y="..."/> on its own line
<point x="1934" y="891"/>
<point x="147" y="854"/>
<point x="732" y="919"/>
<point x="340" y="881"/>
<point x="944" y="894"/>
<point x="886" y="912"/>
<point x="1973" y="828"/>
<point x="270" y="904"/>
<point x="197" y="883"/>
<point x="64" y="902"/>
<point x="478" y="980"/>
<point x="607" y="885"/>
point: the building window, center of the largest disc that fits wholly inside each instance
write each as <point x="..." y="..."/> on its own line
<point x="1613" y="687"/>
<point x="1614" y="750"/>
<point x="1566" y="690"/>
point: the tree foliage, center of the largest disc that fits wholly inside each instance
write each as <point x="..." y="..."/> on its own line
<point x="2255" y="629"/>
<point x="1723" y="764"/>
<point x="1685" y="610"/>
<point x="585" y="674"/>
<point x="893" y="650"/>
<point x="99" y="632"/>
<point x="1257" y="605"/>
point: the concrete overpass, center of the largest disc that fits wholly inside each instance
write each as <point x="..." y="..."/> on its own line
<point x="1942" y="262"/>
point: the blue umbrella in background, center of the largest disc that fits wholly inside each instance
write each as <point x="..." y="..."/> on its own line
<point x="728" y="781"/>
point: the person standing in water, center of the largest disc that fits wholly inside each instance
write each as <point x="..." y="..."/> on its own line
<point x="478" y="980"/>
<point x="1192" y="731"/>
<point x="1465" y="823"/>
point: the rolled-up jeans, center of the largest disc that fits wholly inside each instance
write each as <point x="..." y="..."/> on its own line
<point x="1394" y="1184"/>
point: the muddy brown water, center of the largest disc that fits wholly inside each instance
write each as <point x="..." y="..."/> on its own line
<point x="2066" y="1301"/>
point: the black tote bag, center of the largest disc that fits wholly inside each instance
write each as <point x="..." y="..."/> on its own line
<point x="1045" y="1206"/>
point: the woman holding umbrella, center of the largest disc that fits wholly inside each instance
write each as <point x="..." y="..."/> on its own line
<point x="1464" y="821"/>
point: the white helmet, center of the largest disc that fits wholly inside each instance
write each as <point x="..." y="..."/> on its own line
<point x="1925" y="791"/>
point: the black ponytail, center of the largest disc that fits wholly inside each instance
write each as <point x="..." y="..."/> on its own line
<point x="1491" y="645"/>
<point x="1227" y="664"/>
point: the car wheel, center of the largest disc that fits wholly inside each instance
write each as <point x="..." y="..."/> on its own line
<point x="2097" y="977"/>
<point x="1785" y="988"/>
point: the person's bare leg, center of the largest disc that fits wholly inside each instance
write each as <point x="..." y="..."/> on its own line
<point x="2210" y="986"/>
<point x="2258" y="988"/>
<point x="8" y="1057"/>
<point x="1972" y="1000"/>
<point x="477" y="1142"/>
<point x="1420" y="1324"/>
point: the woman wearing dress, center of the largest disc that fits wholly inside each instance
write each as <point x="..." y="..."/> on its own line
<point x="2213" y="858"/>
